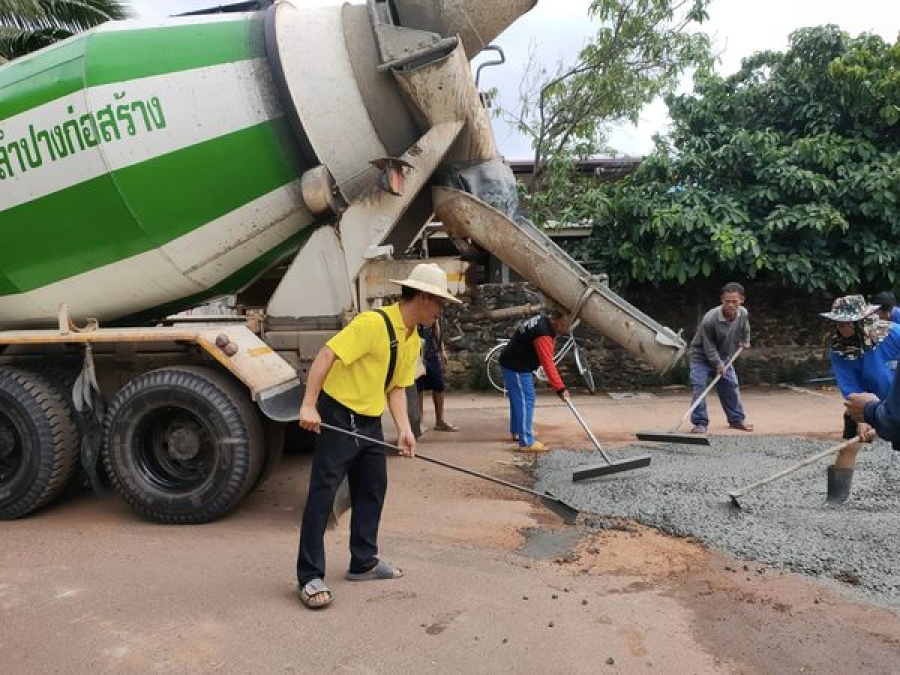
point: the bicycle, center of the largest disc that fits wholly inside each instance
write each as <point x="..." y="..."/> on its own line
<point x="495" y="374"/>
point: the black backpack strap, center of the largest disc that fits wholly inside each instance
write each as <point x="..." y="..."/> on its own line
<point x="393" y="338"/>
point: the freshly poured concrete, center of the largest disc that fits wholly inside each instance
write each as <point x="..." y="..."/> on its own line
<point x="785" y="524"/>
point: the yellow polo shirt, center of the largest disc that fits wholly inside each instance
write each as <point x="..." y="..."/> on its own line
<point x="363" y="352"/>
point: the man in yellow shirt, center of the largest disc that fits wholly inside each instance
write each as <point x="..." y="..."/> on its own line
<point x="346" y="387"/>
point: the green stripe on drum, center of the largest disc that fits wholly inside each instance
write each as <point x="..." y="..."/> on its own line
<point x="45" y="76"/>
<point x="110" y="56"/>
<point x="117" y="56"/>
<point x="139" y="208"/>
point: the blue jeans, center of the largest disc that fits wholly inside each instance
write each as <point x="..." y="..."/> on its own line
<point x="520" y="390"/>
<point x="728" y="389"/>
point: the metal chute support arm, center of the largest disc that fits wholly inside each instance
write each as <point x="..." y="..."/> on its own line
<point x="532" y="255"/>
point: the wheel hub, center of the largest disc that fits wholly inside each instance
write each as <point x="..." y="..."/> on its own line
<point x="183" y="443"/>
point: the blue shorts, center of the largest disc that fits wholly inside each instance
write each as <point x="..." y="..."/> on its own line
<point x="433" y="379"/>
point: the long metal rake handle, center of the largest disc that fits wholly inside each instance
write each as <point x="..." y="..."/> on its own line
<point x="439" y="462"/>
<point x="812" y="459"/>
<point x="587" y="430"/>
<point x="706" y="391"/>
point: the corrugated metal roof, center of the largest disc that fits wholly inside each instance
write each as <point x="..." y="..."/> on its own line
<point x="230" y="7"/>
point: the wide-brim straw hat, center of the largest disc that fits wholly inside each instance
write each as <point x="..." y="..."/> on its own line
<point x="850" y="308"/>
<point x="429" y="278"/>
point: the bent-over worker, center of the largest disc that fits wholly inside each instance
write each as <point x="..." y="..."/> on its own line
<point x="373" y="357"/>
<point x="862" y="348"/>
<point x="531" y="345"/>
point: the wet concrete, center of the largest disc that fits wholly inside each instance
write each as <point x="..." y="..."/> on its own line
<point x="785" y="524"/>
<point x="549" y="544"/>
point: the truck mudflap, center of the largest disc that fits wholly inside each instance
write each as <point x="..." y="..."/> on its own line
<point x="281" y="403"/>
<point x="537" y="259"/>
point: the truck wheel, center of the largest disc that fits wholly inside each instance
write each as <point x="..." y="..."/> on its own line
<point x="38" y="443"/>
<point x="274" y="433"/>
<point x="61" y="377"/>
<point x="183" y="444"/>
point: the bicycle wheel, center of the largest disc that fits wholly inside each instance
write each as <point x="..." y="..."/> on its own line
<point x="492" y="368"/>
<point x="584" y="369"/>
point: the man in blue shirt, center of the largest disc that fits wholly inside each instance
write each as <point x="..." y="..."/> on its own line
<point x="862" y="347"/>
<point x="883" y="416"/>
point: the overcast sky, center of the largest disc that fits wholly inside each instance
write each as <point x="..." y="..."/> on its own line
<point x="558" y="28"/>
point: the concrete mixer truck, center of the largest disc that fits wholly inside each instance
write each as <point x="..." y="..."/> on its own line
<point x="146" y="167"/>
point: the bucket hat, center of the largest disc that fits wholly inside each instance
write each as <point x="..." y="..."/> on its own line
<point x="850" y="308"/>
<point x="429" y="278"/>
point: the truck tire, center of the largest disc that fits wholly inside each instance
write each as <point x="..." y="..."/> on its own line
<point x="61" y="377"/>
<point x="38" y="443"/>
<point x="275" y="434"/>
<point x="183" y="445"/>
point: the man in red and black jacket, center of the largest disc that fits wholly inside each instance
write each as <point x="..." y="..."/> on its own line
<point x="531" y="346"/>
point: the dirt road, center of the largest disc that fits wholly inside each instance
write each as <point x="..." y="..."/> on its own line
<point x="494" y="583"/>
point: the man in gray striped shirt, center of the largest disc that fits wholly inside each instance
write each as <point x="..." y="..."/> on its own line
<point x="721" y="331"/>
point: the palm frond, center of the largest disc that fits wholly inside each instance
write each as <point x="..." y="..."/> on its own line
<point x="20" y="12"/>
<point x="79" y="15"/>
<point x="15" y="42"/>
<point x="31" y="24"/>
<point x="20" y="8"/>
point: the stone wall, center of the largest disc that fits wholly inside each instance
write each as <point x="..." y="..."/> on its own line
<point x="788" y="342"/>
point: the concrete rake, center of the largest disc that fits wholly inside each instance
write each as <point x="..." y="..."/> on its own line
<point x="688" y="439"/>
<point x="812" y="459"/>
<point x="560" y="508"/>
<point x="610" y="466"/>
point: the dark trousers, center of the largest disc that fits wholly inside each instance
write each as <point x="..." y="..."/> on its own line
<point x="728" y="389"/>
<point x="363" y="463"/>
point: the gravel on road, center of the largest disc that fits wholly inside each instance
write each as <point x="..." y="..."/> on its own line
<point x="785" y="524"/>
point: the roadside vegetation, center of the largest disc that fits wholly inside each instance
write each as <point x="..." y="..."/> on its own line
<point x="786" y="171"/>
<point x="640" y="51"/>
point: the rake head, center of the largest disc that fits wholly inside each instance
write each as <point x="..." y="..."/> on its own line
<point x="567" y="513"/>
<point x="664" y="437"/>
<point x="613" y="467"/>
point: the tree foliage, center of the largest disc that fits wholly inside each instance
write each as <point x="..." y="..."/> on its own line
<point x="29" y="25"/>
<point x="639" y="52"/>
<point x="788" y="169"/>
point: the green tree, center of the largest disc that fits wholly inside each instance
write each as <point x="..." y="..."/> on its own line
<point x="28" y="25"/>
<point x="788" y="169"/>
<point x="639" y="52"/>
